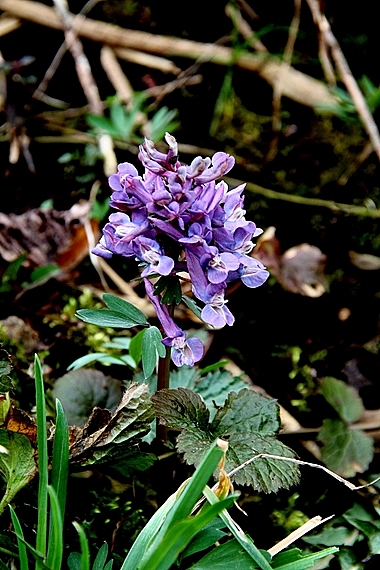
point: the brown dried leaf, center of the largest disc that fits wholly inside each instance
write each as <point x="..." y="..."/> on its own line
<point x="301" y="269"/>
<point x="47" y="236"/>
<point x="18" y="421"/>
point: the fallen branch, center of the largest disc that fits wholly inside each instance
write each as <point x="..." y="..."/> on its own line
<point x="300" y="87"/>
<point x="349" y="209"/>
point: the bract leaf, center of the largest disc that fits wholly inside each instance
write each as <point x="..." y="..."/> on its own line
<point x="343" y="398"/>
<point x="345" y="451"/>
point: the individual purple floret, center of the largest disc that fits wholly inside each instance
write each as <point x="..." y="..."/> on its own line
<point x="177" y="218"/>
<point x="184" y="351"/>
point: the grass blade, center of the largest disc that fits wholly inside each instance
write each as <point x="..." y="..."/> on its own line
<point x="55" y="548"/>
<point x="246" y="542"/>
<point x="24" y="565"/>
<point x="85" y="551"/>
<point x="60" y="460"/>
<point x="41" y="536"/>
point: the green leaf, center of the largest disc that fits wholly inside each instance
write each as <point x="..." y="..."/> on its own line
<point x="17" y="464"/>
<point x="228" y="555"/>
<point x="182" y="409"/>
<point x="102" y="123"/>
<point x="215" y="387"/>
<point x="105" y="318"/>
<point x="55" y="542"/>
<point x="333" y="536"/>
<point x="191" y="304"/>
<point x="127" y="309"/>
<point x="102" y="358"/>
<point x="60" y="457"/>
<point x="248" y="420"/>
<point x="23" y="557"/>
<point x="259" y="556"/>
<point x="247" y="412"/>
<point x="343" y="398"/>
<point x="205" y="538"/>
<point x="295" y="559"/>
<point x="345" y="451"/>
<point x="152" y="347"/>
<point x="85" y="551"/>
<point x="80" y="391"/>
<point x="135" y="347"/>
<point x="101" y="557"/>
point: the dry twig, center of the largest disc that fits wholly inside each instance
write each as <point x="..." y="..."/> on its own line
<point x="299" y="86"/>
<point x="346" y="75"/>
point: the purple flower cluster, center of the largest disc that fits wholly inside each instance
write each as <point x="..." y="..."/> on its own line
<point x="180" y="219"/>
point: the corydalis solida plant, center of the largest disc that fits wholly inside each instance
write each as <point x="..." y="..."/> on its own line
<point x="181" y="220"/>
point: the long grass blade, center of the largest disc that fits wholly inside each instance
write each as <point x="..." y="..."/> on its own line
<point x="60" y="459"/>
<point x="23" y="555"/>
<point x="41" y="537"/>
<point x="245" y="541"/>
<point x="55" y="547"/>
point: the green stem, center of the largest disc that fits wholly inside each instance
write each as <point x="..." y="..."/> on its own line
<point x="163" y="377"/>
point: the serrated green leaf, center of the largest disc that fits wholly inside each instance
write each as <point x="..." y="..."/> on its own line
<point x="17" y="463"/>
<point x="182" y="408"/>
<point x="247" y="411"/>
<point x="343" y="398"/>
<point x="345" y="451"/>
<point x="152" y="347"/>
<point x="215" y="387"/>
<point x="248" y="421"/>
<point x="127" y="309"/>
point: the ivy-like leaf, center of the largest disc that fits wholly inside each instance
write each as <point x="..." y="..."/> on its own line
<point x="127" y="309"/>
<point x="343" y="398"/>
<point x="248" y="421"/>
<point x="17" y="464"/>
<point x="345" y="451"/>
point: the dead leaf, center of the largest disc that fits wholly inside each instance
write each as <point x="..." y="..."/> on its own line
<point x="301" y="269"/>
<point x="103" y="430"/>
<point x="16" y="420"/>
<point x="47" y="236"/>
